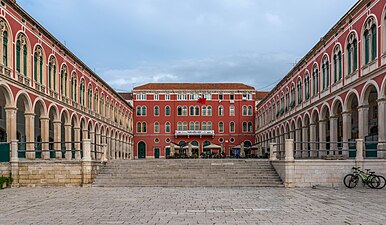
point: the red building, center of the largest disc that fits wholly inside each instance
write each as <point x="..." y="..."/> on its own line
<point x="168" y="115"/>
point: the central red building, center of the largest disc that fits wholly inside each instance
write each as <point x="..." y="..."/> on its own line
<point x="169" y="116"/>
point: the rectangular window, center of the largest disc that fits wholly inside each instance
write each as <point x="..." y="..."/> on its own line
<point x="143" y="96"/>
<point x="232" y="97"/>
<point x="220" y="97"/>
<point x="179" y="97"/>
<point x="167" y="97"/>
<point x="208" y="96"/>
<point x="156" y="97"/>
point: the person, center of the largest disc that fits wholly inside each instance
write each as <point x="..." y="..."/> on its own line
<point x="237" y="153"/>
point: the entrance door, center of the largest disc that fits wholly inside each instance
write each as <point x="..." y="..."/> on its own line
<point x="141" y="150"/>
<point x="156" y="153"/>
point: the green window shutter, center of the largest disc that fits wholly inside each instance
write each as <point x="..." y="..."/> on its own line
<point x="49" y="75"/>
<point x="374" y="42"/>
<point x="335" y="69"/>
<point x="35" y="67"/>
<point x="340" y="66"/>
<point x="18" y="56"/>
<point x="54" y="78"/>
<point x="25" y="59"/>
<point x="41" y="70"/>
<point x="5" y="48"/>
<point x="367" y="56"/>
<point x="349" y="59"/>
<point x="355" y="55"/>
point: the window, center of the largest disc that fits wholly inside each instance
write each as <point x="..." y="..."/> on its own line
<point x="74" y="86"/>
<point x="208" y="96"/>
<point x="287" y="99"/>
<point x="138" y="110"/>
<point x="221" y="111"/>
<point x="89" y="96"/>
<point x="221" y="127"/>
<point x="197" y="126"/>
<point x="143" y="111"/>
<point x="220" y="97"/>
<point x="167" y="97"/>
<point x="209" y="113"/>
<point x="167" y="127"/>
<point x="179" y="126"/>
<point x="250" y="109"/>
<point x="210" y="126"/>
<point x="96" y="100"/>
<point x="370" y="40"/>
<point x="82" y="93"/>
<point x="204" y="110"/>
<point x="102" y="105"/>
<point x="292" y="104"/>
<point x="250" y="126"/>
<point x="38" y="64"/>
<point x="185" y="111"/>
<point x="337" y="64"/>
<point x="326" y="73"/>
<point x="52" y="74"/>
<point x="167" y="111"/>
<point x="191" y="126"/>
<point x="5" y="43"/>
<point x="156" y="111"/>
<point x="156" y="127"/>
<point x="141" y="96"/>
<point x="191" y="110"/>
<point x="244" y="126"/>
<point x="203" y="125"/>
<point x="21" y="54"/>
<point x="156" y="97"/>
<point x="307" y="87"/>
<point x="138" y="127"/>
<point x="300" y="91"/>
<point x="245" y="110"/>
<point x="143" y="127"/>
<point x="179" y="110"/>
<point x="232" y="97"/>
<point x="352" y="54"/>
<point x="231" y="110"/>
<point x="63" y="84"/>
<point x="197" y="109"/>
<point x="232" y="127"/>
<point x="315" y="81"/>
<point x="185" y="126"/>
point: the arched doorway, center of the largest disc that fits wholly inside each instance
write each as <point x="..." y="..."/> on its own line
<point x="196" y="148"/>
<point x="141" y="150"/>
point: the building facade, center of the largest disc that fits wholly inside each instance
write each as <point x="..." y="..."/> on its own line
<point x="336" y="93"/>
<point x="50" y="100"/>
<point x="199" y="114"/>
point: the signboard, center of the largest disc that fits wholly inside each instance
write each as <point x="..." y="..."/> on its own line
<point x="194" y="132"/>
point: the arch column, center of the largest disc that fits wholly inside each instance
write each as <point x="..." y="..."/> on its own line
<point x="97" y="144"/>
<point x="313" y="139"/>
<point x="11" y="117"/>
<point x="45" y="132"/>
<point x="30" y="134"/>
<point x="346" y="116"/>
<point x="77" y="142"/>
<point x="363" y="126"/>
<point x="298" y="132"/>
<point x="67" y="136"/>
<point x="92" y="138"/>
<point x="57" y="138"/>
<point x="322" y="138"/>
<point x="108" y="152"/>
<point x="381" y="127"/>
<point x="113" y="154"/>
<point x="333" y="135"/>
<point x="305" y="143"/>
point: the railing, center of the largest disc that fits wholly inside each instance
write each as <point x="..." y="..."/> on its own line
<point x="358" y="149"/>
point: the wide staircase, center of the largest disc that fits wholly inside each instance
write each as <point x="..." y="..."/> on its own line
<point x="188" y="173"/>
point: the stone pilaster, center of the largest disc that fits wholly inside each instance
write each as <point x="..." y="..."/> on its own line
<point x="313" y="139"/>
<point x="67" y="135"/>
<point x="30" y="134"/>
<point x="57" y="138"/>
<point x="77" y="142"/>
<point x="381" y="128"/>
<point x="305" y="144"/>
<point x="45" y="132"/>
<point x="346" y="131"/>
<point x="10" y="117"/>
<point x="333" y="135"/>
<point x="322" y="138"/>
<point x="363" y="123"/>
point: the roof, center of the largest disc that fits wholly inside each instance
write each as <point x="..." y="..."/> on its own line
<point x="194" y="86"/>
<point x="261" y="94"/>
<point x="126" y="95"/>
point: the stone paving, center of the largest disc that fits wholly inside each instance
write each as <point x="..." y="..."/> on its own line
<point x="192" y="206"/>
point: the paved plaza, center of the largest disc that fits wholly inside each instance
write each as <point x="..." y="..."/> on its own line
<point x="192" y="206"/>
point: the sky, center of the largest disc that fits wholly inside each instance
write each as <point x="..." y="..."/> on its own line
<point x="132" y="42"/>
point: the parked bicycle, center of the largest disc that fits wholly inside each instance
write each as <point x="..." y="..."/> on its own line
<point x="368" y="178"/>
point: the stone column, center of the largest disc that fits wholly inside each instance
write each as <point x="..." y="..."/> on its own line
<point x="11" y="119"/>
<point x="360" y="146"/>
<point x="108" y="141"/>
<point x="322" y="138"/>
<point x="313" y="139"/>
<point x="45" y="132"/>
<point x="305" y="142"/>
<point x="272" y="154"/>
<point x="113" y="155"/>
<point x="57" y="138"/>
<point x="86" y="163"/>
<point x="77" y="142"/>
<point x="346" y="132"/>
<point x="132" y="149"/>
<point x="298" y="145"/>
<point x="363" y="124"/>
<point x="30" y="134"/>
<point x="333" y="135"/>
<point x="381" y="128"/>
<point x="92" y="138"/>
<point x="14" y="163"/>
<point x="67" y="136"/>
<point x="289" y="150"/>
<point x="97" y="144"/>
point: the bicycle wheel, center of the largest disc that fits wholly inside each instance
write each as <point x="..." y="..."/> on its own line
<point x="373" y="181"/>
<point x="350" y="180"/>
<point x="382" y="181"/>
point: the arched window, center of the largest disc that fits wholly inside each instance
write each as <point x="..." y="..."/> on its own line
<point x="138" y="110"/>
<point x="244" y="126"/>
<point x="167" y="127"/>
<point x="167" y="111"/>
<point x="231" y="110"/>
<point x="52" y="73"/>
<point x="300" y="91"/>
<point x="179" y="126"/>
<point x="185" y="126"/>
<point x="315" y="81"/>
<point x="307" y="87"/>
<point x="204" y="110"/>
<point x="209" y="111"/>
<point x="156" y="127"/>
<point x="5" y="31"/>
<point x="287" y="99"/>
<point x="74" y="86"/>
<point x="250" y="126"/>
<point x="221" y="127"/>
<point x="292" y="104"/>
<point x="191" y="126"/>
<point x="209" y="126"/>
<point x="143" y="127"/>
<point x="96" y="101"/>
<point x="352" y="53"/>
<point x="156" y="111"/>
<point x="370" y="40"/>
<point x="138" y="127"/>
<point x="102" y="105"/>
<point x="191" y="110"/>
<point x="221" y="111"/>
<point x="21" y="54"/>
<point x="250" y="109"/>
<point x="185" y="111"/>
<point x="197" y="126"/>
<point x="197" y="109"/>
<point x="90" y="97"/>
<point x="337" y="64"/>
<point x="82" y="93"/>
<point x="326" y="72"/>
<point x="143" y="113"/>
<point x="232" y="127"/>
<point x="63" y="81"/>
<point x="179" y="110"/>
<point x="204" y="126"/>
<point x="244" y="110"/>
<point x="38" y="64"/>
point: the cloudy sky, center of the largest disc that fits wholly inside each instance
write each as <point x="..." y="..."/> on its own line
<point x="132" y="42"/>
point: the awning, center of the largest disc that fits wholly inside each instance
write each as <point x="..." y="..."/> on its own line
<point x="212" y="146"/>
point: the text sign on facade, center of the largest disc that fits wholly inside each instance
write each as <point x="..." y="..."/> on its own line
<point x="194" y="132"/>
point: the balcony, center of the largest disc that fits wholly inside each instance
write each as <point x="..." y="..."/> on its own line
<point x="194" y="133"/>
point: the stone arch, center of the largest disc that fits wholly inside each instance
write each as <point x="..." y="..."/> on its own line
<point x="26" y="100"/>
<point x="335" y="106"/>
<point x="349" y="98"/>
<point x="6" y="94"/>
<point x="5" y="27"/>
<point x="366" y="91"/>
<point x="40" y="101"/>
<point x="324" y="112"/>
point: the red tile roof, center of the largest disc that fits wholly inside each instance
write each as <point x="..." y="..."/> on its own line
<point x="194" y="86"/>
<point x="126" y="95"/>
<point x="260" y="95"/>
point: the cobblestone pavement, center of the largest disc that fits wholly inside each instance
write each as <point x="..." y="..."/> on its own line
<point x="192" y="206"/>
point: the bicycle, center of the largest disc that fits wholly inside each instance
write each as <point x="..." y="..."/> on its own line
<point x="351" y="180"/>
<point x="381" y="181"/>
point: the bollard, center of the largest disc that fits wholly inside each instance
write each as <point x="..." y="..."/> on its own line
<point x="360" y="145"/>
<point x="272" y="155"/>
<point x="289" y="150"/>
